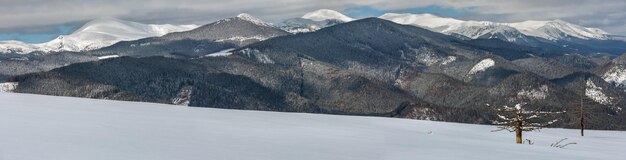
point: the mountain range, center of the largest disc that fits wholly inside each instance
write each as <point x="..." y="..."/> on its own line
<point x="95" y="34"/>
<point x="371" y="66"/>
<point x="552" y="35"/>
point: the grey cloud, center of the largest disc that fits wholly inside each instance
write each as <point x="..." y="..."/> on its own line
<point x="605" y="14"/>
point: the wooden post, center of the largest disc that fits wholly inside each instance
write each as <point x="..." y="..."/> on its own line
<point x="518" y="127"/>
<point x="518" y="132"/>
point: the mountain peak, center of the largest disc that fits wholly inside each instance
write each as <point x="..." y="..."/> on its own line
<point x="326" y="14"/>
<point x="250" y="18"/>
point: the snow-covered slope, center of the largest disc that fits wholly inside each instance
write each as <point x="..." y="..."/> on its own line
<point x="482" y="66"/>
<point x="96" y="34"/>
<point x="551" y="30"/>
<point x="73" y="128"/>
<point x="616" y="75"/>
<point x="314" y="21"/>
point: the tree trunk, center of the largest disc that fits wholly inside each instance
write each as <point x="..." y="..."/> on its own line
<point x="582" y="110"/>
<point x="518" y="132"/>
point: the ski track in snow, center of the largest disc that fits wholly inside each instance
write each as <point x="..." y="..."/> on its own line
<point x="76" y="129"/>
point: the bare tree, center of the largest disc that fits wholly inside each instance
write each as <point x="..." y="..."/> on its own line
<point x="584" y="109"/>
<point x="517" y="119"/>
<point x="582" y="106"/>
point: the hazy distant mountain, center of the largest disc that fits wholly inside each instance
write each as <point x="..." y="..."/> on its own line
<point x="224" y="34"/>
<point x="555" y="36"/>
<point x="94" y="35"/>
<point x="314" y="21"/>
<point x="551" y="30"/>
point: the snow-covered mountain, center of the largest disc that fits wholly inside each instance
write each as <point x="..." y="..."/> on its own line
<point x="314" y="21"/>
<point x="95" y="34"/>
<point x="325" y="14"/>
<point x="218" y="36"/>
<point x="551" y="30"/>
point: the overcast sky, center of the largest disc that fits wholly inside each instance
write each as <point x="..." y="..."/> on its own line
<point x="41" y="20"/>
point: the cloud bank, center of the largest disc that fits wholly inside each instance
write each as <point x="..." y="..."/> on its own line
<point x="16" y="15"/>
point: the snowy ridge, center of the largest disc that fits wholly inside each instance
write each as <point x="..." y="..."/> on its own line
<point x="250" y="18"/>
<point x="551" y="30"/>
<point x="12" y="46"/>
<point x="314" y="21"/>
<point x="558" y="29"/>
<point x="78" y="128"/>
<point x="326" y="14"/>
<point x="94" y="35"/>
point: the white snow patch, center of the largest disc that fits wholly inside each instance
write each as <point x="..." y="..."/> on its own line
<point x="225" y="52"/>
<point x="108" y="57"/>
<point x="241" y="39"/>
<point x="19" y="59"/>
<point x="430" y="57"/>
<point x="264" y="59"/>
<point x="482" y="66"/>
<point x="595" y="93"/>
<point x="448" y="59"/>
<point x="8" y="86"/>
<point x="534" y="94"/>
<point x="253" y="53"/>
<point x="616" y="76"/>
<point x="77" y="129"/>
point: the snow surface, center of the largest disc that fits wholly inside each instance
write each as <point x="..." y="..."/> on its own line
<point x="326" y="14"/>
<point x="76" y="129"/>
<point x="482" y="66"/>
<point x="551" y="30"/>
<point x="94" y="35"/>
